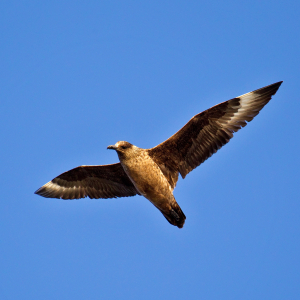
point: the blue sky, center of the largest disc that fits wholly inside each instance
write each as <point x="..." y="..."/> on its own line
<point x="77" y="76"/>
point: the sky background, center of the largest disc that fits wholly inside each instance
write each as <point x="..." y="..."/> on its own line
<point x="77" y="76"/>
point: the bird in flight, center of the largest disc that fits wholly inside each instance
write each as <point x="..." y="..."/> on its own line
<point x="153" y="173"/>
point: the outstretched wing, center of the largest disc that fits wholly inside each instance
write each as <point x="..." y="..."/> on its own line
<point x="107" y="181"/>
<point x="207" y="132"/>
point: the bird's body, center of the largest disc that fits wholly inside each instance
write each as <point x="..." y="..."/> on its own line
<point x="146" y="176"/>
<point x="150" y="181"/>
<point x="153" y="173"/>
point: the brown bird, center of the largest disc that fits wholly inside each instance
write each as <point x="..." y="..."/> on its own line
<point x="153" y="173"/>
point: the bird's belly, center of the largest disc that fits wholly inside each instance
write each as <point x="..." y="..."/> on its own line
<point x="149" y="180"/>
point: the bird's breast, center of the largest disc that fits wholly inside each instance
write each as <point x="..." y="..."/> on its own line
<point x="146" y="176"/>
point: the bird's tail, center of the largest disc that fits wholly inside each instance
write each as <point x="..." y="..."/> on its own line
<point x="175" y="215"/>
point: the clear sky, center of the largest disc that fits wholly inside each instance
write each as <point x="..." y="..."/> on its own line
<point x="77" y="76"/>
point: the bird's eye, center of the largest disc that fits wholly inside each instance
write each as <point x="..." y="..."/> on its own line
<point x="123" y="147"/>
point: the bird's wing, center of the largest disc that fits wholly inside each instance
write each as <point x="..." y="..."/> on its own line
<point x="207" y="132"/>
<point x="107" y="181"/>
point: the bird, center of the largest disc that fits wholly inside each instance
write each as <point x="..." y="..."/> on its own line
<point x="153" y="173"/>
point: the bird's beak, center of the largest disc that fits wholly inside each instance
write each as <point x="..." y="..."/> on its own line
<point x="113" y="147"/>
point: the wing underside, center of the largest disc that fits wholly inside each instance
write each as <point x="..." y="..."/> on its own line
<point x="107" y="181"/>
<point x="207" y="132"/>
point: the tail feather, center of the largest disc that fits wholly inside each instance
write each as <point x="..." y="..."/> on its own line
<point x="175" y="215"/>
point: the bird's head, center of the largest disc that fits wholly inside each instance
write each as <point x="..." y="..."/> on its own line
<point x="123" y="148"/>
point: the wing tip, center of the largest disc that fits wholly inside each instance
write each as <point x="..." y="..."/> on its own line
<point x="38" y="191"/>
<point x="276" y="85"/>
<point x="272" y="88"/>
<point x="42" y="191"/>
<point x="47" y="191"/>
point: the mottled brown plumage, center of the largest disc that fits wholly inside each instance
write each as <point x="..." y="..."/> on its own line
<point x="154" y="172"/>
<point x="107" y="181"/>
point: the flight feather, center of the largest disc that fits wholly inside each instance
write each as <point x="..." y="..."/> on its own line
<point x="106" y="181"/>
<point x="207" y="132"/>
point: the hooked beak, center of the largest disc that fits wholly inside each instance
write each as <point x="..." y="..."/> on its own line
<point x="112" y="147"/>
